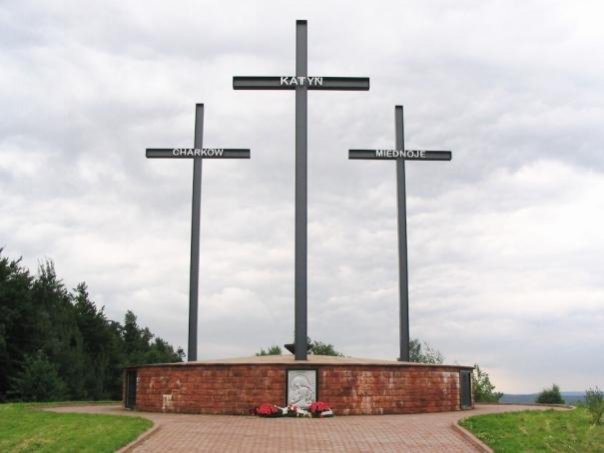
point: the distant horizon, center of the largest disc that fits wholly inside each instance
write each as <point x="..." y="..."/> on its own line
<point x="562" y="392"/>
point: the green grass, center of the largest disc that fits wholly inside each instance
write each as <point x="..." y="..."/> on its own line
<point x="537" y="431"/>
<point x="26" y="428"/>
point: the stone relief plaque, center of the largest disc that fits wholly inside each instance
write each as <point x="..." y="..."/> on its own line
<point x="301" y="387"/>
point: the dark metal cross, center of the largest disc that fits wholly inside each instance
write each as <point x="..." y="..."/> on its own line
<point x="401" y="155"/>
<point x="197" y="153"/>
<point x="301" y="83"/>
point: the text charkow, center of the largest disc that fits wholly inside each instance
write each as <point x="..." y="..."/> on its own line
<point x="197" y="152"/>
<point x="301" y="81"/>
<point x="406" y="154"/>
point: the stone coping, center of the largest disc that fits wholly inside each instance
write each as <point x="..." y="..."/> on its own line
<point x="313" y="360"/>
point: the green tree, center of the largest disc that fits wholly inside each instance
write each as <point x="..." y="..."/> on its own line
<point x="136" y="339"/>
<point x="272" y="350"/>
<point x="98" y="345"/>
<point x="162" y="352"/>
<point x="594" y="400"/>
<point x="550" y="396"/>
<point x="422" y="352"/>
<point x="116" y="361"/>
<point x="57" y="331"/>
<point x="16" y="324"/>
<point x="139" y="348"/>
<point x="39" y="380"/>
<point x="484" y="390"/>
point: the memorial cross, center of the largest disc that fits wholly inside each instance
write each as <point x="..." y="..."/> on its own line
<point x="301" y="83"/>
<point x="401" y="155"/>
<point x="197" y="153"/>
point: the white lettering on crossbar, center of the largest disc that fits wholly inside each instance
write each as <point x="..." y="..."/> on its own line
<point x="196" y="152"/>
<point x="395" y="154"/>
<point x="301" y="81"/>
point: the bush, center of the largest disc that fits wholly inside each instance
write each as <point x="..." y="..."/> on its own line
<point x="484" y="391"/>
<point x="422" y="352"/>
<point x="273" y="350"/>
<point x="320" y="348"/>
<point x="550" y="396"/>
<point x="594" y="400"/>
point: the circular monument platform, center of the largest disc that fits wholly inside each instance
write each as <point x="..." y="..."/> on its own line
<point x="350" y="386"/>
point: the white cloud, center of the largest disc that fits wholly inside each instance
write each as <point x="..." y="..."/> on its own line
<point x="504" y="241"/>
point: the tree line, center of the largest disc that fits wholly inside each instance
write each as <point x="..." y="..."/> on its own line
<point x="419" y="351"/>
<point x="56" y="344"/>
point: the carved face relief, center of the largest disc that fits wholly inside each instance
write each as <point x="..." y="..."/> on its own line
<point x="301" y="387"/>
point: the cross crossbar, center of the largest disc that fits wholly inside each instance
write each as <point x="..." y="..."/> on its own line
<point x="394" y="154"/>
<point x="192" y="153"/>
<point x="292" y="82"/>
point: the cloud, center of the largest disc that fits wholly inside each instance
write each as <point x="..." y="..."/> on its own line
<point x="504" y="241"/>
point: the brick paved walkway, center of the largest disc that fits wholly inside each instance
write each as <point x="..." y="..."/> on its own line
<point x="380" y="433"/>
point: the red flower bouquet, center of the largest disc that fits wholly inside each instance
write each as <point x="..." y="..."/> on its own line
<point x="320" y="409"/>
<point x="268" y="410"/>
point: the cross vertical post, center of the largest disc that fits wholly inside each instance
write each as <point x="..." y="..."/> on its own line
<point x="195" y="230"/>
<point x="400" y="154"/>
<point x="401" y="203"/>
<point x="301" y="210"/>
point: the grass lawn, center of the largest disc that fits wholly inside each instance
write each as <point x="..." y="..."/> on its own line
<point x="26" y="428"/>
<point x="532" y="431"/>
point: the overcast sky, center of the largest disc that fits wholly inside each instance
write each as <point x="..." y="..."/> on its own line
<point x="506" y="241"/>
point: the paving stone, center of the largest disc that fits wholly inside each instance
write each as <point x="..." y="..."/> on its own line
<point x="379" y="433"/>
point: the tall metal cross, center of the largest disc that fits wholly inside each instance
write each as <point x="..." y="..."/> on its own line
<point x="197" y="153"/>
<point x="401" y="155"/>
<point x="301" y="83"/>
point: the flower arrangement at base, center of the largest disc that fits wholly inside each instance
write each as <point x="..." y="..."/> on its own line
<point x="316" y="409"/>
<point x="320" y="409"/>
<point x="294" y="411"/>
<point x="268" y="410"/>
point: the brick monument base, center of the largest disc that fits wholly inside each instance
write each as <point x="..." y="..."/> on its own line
<point x="350" y="386"/>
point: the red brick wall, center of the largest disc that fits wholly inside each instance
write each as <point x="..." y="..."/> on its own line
<point x="374" y="390"/>
<point x="349" y="389"/>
